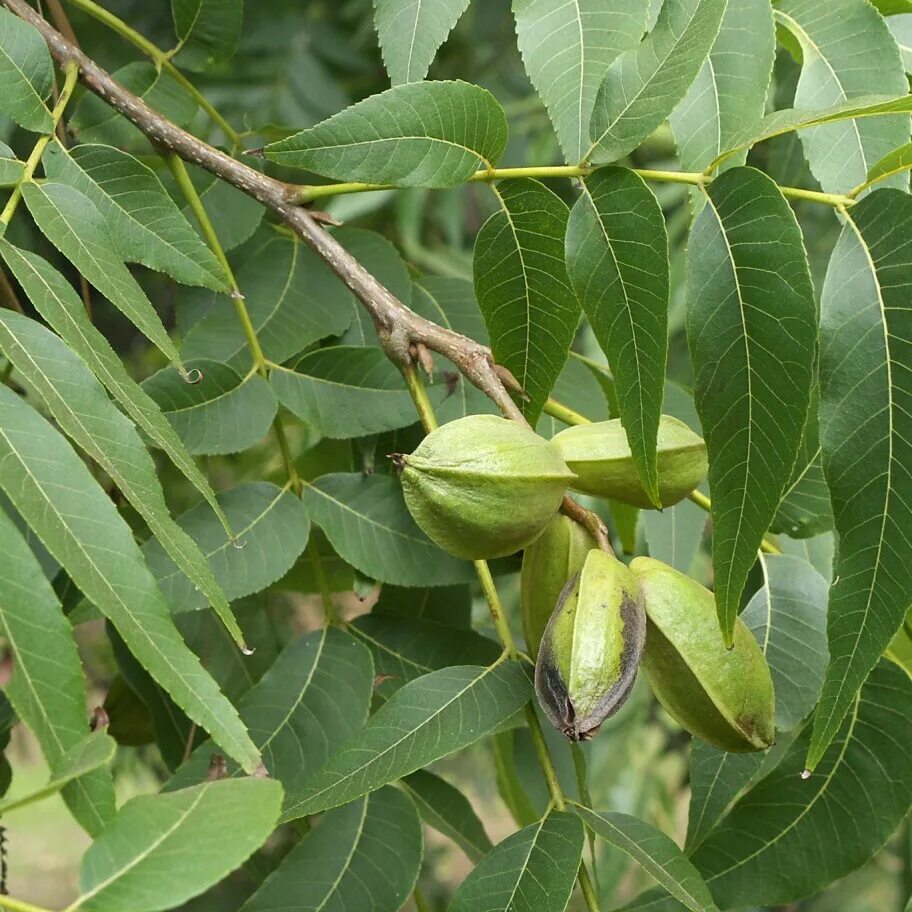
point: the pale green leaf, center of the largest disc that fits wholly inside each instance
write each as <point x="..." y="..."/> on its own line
<point x="11" y="168"/>
<point x="817" y="551"/>
<point x="208" y="31"/>
<point x="533" y="870"/>
<point x="224" y="412"/>
<point x="427" y="719"/>
<point x="410" y="31"/>
<point x="729" y="93"/>
<point x="751" y="328"/>
<point x="47" y="687"/>
<point x="655" y="852"/>
<point x="54" y="298"/>
<point x="674" y="534"/>
<point x="617" y="257"/>
<point x="79" y="524"/>
<point x="85" y="413"/>
<point x="523" y="289"/>
<point x="425" y="134"/>
<point x="142" y="219"/>
<point x="78" y="230"/>
<point x="567" y="47"/>
<point x="367" y="522"/>
<point x="443" y="807"/>
<point x="895" y="162"/>
<point x="848" y="52"/>
<point x="364" y="856"/>
<point x="901" y="27"/>
<point x="865" y="434"/>
<point x="26" y="74"/>
<point x="91" y="753"/>
<point x="162" y="850"/>
<point x="643" y="86"/>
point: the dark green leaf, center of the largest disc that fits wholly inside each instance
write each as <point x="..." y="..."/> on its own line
<point x="235" y="215"/>
<point x="617" y="257"/>
<point x="751" y="326"/>
<point x="10" y="167"/>
<point x="523" y="289"/>
<point x="426" y="134"/>
<point x="208" y="31"/>
<point x="26" y="74"/>
<point x="451" y="605"/>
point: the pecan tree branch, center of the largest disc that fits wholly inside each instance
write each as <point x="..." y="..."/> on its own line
<point x="398" y="327"/>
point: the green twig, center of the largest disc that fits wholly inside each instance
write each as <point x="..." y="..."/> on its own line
<point x="564" y="413"/>
<point x="18" y="905"/>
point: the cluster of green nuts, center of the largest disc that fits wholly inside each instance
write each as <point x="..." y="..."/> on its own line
<point x="484" y="487"/>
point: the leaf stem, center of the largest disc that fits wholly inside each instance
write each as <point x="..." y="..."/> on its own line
<point x="17" y="905"/>
<point x="71" y="74"/>
<point x="161" y="59"/>
<point x="702" y="501"/>
<point x="420" y="397"/>
<point x="564" y="413"/>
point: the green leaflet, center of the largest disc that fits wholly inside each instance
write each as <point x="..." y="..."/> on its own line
<point x="729" y="93"/>
<point x="56" y="301"/>
<point x="448" y="605"/>
<point x="77" y="522"/>
<point x="364" y="856"/>
<point x="313" y="698"/>
<point x="450" y="302"/>
<point x="47" y="688"/>
<point x="895" y="162"/>
<point x="162" y="850"/>
<point x="292" y="298"/>
<point x="674" y="534"/>
<point x="848" y="52"/>
<point x="410" y="31"/>
<point x="655" y="852"/>
<point x="225" y="411"/>
<point x="643" y="86"/>
<point x="617" y="257"/>
<point x="91" y="753"/>
<point x="10" y="167"/>
<point x="426" y="134"/>
<point x="901" y="27"/>
<point x="84" y="412"/>
<point x="787" y="616"/>
<point x="78" y="230"/>
<point x="143" y="220"/>
<point x="234" y="215"/>
<point x="26" y="74"/>
<point x="566" y="49"/>
<point x="533" y="870"/>
<point x="865" y="339"/>
<point x="443" y="807"/>
<point x="523" y="289"/>
<point x="429" y="718"/>
<point x="751" y="328"/>
<point x="368" y="524"/>
<point x="208" y="31"/>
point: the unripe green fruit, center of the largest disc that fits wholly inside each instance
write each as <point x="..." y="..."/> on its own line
<point x="553" y="558"/>
<point x="724" y="696"/>
<point x="483" y="487"/>
<point x="600" y="456"/>
<point x="591" y="649"/>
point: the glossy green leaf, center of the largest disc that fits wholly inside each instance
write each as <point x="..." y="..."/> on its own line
<point x="77" y="522"/>
<point x="848" y="52"/>
<point x="271" y="529"/>
<point x="162" y="850"/>
<point x="617" y="257"/>
<point x="566" y="50"/>
<point x="865" y="434"/>
<point x="91" y="753"/>
<point x="433" y="716"/>
<point x="365" y="855"/>
<point x="226" y="411"/>
<point x="85" y="413"/>
<point x="208" y="31"/>
<point x="345" y="391"/>
<point x="142" y="219"/>
<point x="308" y="704"/>
<point x="26" y="74"/>
<point x="47" y="688"/>
<point x="78" y="230"/>
<point x="443" y="807"/>
<point x="787" y="616"/>
<point x="292" y="298"/>
<point x="644" y="85"/>
<point x="425" y="134"/>
<point x="54" y="298"/>
<point x="655" y="852"/>
<point x="410" y="31"/>
<point x="729" y="93"/>
<point x="367" y="522"/>
<point x="523" y="289"/>
<point x="751" y="327"/>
